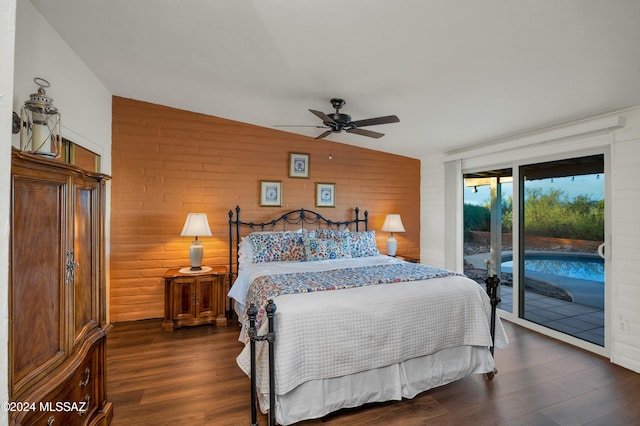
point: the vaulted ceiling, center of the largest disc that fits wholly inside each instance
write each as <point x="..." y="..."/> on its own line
<point x="456" y="72"/>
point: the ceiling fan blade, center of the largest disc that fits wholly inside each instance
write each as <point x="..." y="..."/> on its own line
<point x="365" y="132"/>
<point x="324" y="134"/>
<point x="294" y="125"/>
<point x="324" y="117"/>
<point x="378" y="120"/>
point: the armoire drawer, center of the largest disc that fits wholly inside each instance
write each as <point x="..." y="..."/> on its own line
<point x="74" y="401"/>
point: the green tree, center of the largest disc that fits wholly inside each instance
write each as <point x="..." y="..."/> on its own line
<point x="476" y="218"/>
<point x="554" y="214"/>
<point x="507" y="214"/>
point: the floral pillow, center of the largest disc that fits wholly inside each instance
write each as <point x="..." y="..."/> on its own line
<point x="330" y="233"/>
<point x="276" y="246"/>
<point x="363" y="244"/>
<point x="325" y="248"/>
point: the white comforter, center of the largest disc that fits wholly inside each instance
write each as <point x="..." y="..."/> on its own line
<point x="335" y="333"/>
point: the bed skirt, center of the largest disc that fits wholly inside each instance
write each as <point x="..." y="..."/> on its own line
<point x="317" y="398"/>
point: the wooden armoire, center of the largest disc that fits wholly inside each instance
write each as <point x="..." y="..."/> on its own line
<point x="57" y="318"/>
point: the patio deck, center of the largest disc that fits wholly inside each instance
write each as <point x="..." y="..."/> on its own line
<point x="583" y="322"/>
<point x="575" y="319"/>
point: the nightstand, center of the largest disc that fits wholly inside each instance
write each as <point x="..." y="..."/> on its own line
<point x="194" y="298"/>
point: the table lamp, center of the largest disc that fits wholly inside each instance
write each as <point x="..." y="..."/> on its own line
<point x="196" y="225"/>
<point x="392" y="223"/>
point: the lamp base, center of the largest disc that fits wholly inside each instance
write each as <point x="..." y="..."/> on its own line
<point x="392" y="245"/>
<point x="195" y="255"/>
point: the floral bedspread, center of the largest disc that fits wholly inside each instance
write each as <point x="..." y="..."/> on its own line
<point x="269" y="286"/>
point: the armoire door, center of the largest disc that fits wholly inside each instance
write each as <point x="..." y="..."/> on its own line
<point x="86" y="234"/>
<point x="37" y="333"/>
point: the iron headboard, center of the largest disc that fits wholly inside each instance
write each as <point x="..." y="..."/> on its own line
<point x="294" y="219"/>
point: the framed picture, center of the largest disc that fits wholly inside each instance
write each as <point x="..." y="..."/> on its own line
<point x="325" y="194"/>
<point x="298" y="165"/>
<point x="270" y="193"/>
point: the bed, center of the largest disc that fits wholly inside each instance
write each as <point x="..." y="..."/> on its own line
<point x="329" y="323"/>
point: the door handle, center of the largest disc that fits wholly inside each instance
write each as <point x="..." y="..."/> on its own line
<point x="601" y="250"/>
<point x="70" y="268"/>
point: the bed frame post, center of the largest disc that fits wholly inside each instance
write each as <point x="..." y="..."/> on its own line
<point x="238" y="223"/>
<point x="492" y="290"/>
<point x="229" y="307"/>
<point x="270" y="337"/>
<point x="252" y="313"/>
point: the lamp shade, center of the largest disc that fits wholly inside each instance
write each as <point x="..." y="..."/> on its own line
<point x="196" y="225"/>
<point x="393" y="223"/>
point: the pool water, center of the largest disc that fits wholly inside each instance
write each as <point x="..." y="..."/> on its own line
<point x="590" y="269"/>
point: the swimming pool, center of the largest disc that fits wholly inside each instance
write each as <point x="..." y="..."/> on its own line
<point x="590" y="268"/>
<point x="580" y="274"/>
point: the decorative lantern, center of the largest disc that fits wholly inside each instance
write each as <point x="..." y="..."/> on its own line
<point x="40" y="130"/>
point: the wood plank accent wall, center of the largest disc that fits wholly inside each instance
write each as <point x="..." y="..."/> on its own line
<point x="168" y="162"/>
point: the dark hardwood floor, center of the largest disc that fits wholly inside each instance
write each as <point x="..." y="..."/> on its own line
<point x="189" y="377"/>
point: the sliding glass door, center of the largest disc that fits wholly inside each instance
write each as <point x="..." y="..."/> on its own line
<point x="562" y="231"/>
<point x="557" y="280"/>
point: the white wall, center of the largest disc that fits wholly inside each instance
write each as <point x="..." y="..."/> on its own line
<point x="619" y="131"/>
<point x="432" y="211"/>
<point x="625" y="238"/>
<point x="7" y="30"/>
<point x="84" y="103"/>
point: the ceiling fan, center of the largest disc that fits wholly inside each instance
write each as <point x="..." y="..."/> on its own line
<point x="337" y="122"/>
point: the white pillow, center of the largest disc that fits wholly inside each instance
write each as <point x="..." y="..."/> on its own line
<point x="245" y="251"/>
